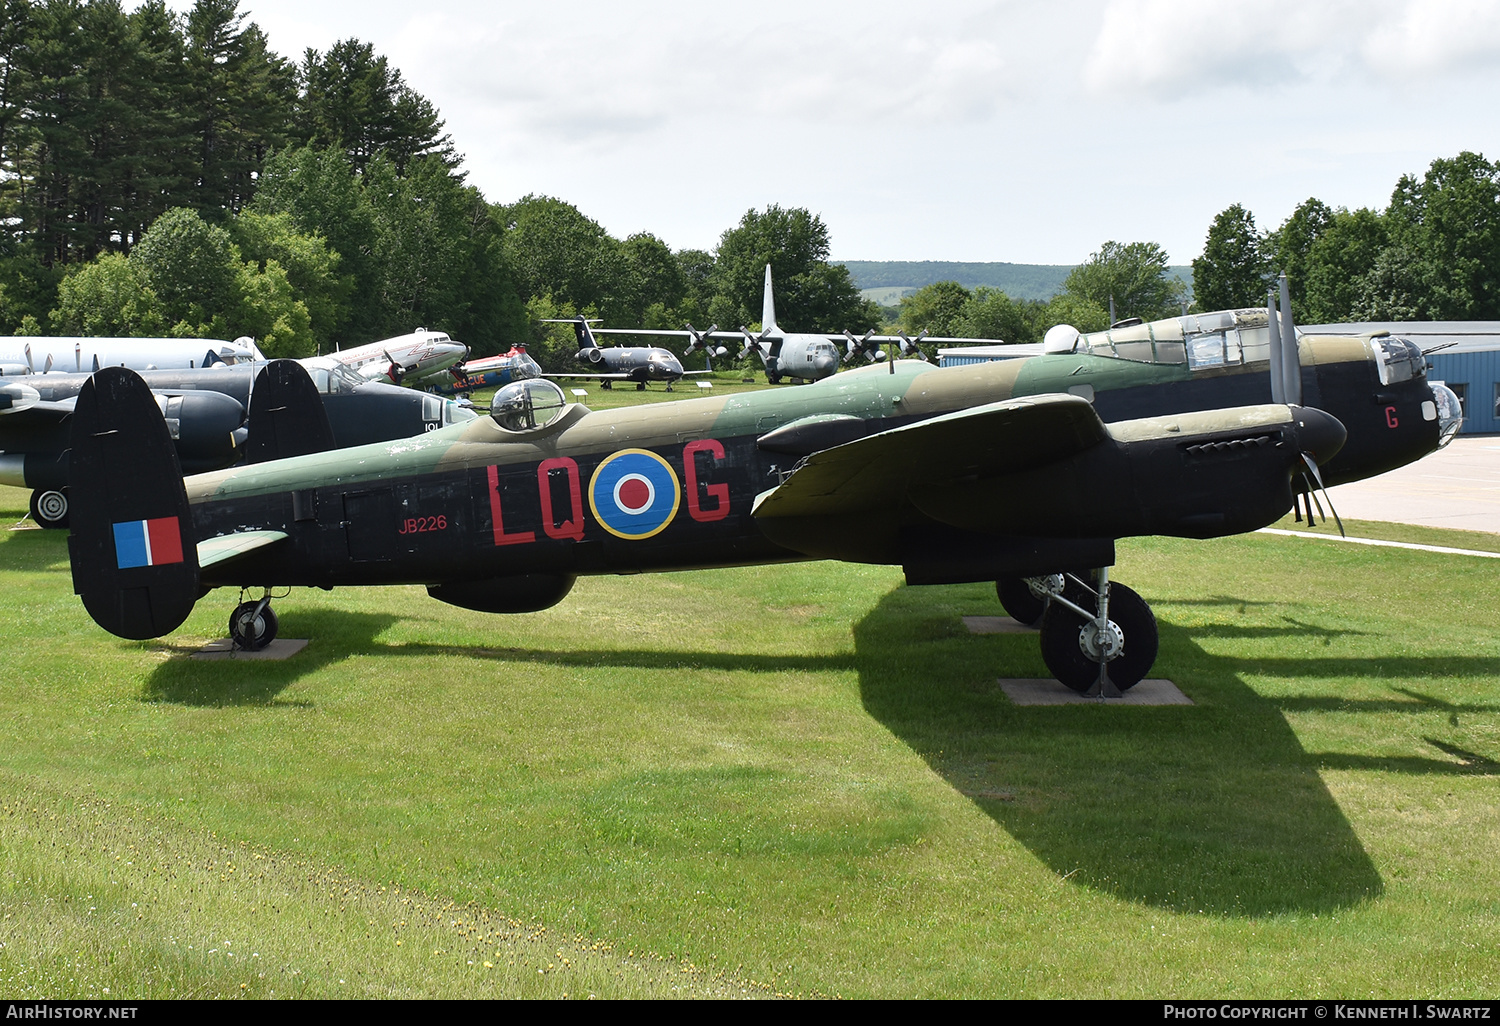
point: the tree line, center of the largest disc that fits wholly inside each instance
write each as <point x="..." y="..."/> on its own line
<point x="165" y="173"/>
<point x="1432" y="254"/>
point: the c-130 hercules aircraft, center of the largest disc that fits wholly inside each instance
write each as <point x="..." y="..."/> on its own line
<point x="953" y="474"/>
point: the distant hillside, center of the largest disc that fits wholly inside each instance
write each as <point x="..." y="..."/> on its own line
<point x="1019" y="281"/>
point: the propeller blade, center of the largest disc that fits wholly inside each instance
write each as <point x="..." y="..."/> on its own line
<point x="1317" y="476"/>
<point x="30" y="369"/>
<point x="1273" y="335"/>
<point x="1291" y="359"/>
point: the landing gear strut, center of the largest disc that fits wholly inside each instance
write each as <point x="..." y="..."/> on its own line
<point x="252" y="625"/>
<point x="49" y="508"/>
<point x="1100" y="646"/>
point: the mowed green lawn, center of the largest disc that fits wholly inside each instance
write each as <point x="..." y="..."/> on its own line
<point x="798" y="780"/>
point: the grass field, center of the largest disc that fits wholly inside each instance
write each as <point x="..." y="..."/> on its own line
<point x="790" y="780"/>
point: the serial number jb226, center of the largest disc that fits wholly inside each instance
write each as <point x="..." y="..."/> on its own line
<point x="417" y="525"/>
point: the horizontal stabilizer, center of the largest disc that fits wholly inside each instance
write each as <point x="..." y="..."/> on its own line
<point x="134" y="561"/>
<point x="232" y="546"/>
<point x="881" y="470"/>
<point x="287" y="417"/>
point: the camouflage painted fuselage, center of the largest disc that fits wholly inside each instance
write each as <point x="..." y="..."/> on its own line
<point x="660" y="488"/>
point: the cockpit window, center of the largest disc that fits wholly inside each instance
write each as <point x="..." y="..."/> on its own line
<point x="331" y="377"/>
<point x="1218" y="339"/>
<point x="524" y="405"/>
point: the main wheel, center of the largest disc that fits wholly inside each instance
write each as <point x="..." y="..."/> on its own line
<point x="250" y="631"/>
<point x="49" y="508"/>
<point x="1069" y="648"/>
<point x="1017" y="599"/>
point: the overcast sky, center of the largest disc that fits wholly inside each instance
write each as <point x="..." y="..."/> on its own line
<point x="1025" y="132"/>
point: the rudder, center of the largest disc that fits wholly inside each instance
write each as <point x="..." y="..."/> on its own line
<point x="135" y="561"/>
<point x="287" y="416"/>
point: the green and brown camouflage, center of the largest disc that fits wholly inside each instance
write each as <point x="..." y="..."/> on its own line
<point x="1014" y="468"/>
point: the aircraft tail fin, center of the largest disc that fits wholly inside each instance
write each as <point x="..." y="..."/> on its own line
<point x="135" y="564"/>
<point x="768" y="305"/>
<point x="287" y="417"/>
<point x="585" y="334"/>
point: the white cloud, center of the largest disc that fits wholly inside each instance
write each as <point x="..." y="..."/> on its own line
<point x="1169" y="48"/>
<point x="1430" y="37"/>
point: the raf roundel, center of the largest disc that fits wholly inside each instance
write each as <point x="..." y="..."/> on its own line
<point x="634" y="494"/>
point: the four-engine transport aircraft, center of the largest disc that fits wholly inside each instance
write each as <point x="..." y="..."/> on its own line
<point x="954" y="474"/>
<point x="797" y="356"/>
<point x="27" y="355"/>
<point x="205" y="411"/>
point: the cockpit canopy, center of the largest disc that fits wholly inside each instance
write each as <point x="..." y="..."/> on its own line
<point x="529" y="404"/>
<point x="1222" y="338"/>
<point x="330" y="377"/>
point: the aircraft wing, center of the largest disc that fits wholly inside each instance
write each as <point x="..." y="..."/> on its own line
<point x="38" y="414"/>
<point x="594" y="377"/>
<point x="232" y="546"/>
<point x="882" y="470"/>
<point x="831" y="336"/>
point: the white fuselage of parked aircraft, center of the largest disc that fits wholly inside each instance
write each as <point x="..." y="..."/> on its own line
<point x="21" y="354"/>
<point x="406" y="359"/>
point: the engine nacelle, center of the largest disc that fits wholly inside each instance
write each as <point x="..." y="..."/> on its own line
<point x="521" y="593"/>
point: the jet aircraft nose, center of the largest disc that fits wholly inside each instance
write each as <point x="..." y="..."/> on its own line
<point x="1318" y="433"/>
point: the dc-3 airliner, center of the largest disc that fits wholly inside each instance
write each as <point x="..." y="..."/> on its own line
<point x="989" y="472"/>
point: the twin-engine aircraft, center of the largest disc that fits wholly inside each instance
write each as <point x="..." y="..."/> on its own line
<point x="417" y="358"/>
<point x="638" y="364"/>
<point x="955" y="474"/>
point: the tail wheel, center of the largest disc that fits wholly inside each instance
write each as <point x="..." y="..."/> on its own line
<point x="1071" y="645"/>
<point x="49" y="508"/>
<point x="252" y="626"/>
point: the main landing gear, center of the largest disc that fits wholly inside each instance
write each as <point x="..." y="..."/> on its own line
<point x="253" y="624"/>
<point x="49" y="508"/>
<point x="1098" y="638"/>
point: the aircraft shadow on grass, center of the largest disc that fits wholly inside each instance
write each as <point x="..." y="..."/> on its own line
<point x="1214" y="807"/>
<point x="645" y="659"/>
<point x="237" y="681"/>
<point x="338" y="635"/>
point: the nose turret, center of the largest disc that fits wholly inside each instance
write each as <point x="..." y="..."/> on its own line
<point x="1450" y="412"/>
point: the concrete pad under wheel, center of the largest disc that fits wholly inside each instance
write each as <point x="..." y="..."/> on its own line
<point x="996" y="625"/>
<point x="1042" y="691"/>
<point x="223" y="648"/>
